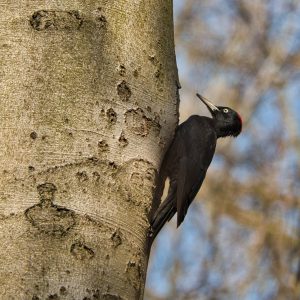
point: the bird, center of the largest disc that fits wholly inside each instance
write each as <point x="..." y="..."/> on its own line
<point x="187" y="159"/>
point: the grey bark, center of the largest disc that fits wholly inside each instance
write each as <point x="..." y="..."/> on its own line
<point x="88" y="93"/>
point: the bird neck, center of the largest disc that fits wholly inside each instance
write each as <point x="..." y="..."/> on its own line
<point x="223" y="129"/>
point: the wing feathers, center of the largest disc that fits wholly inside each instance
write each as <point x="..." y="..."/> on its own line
<point x="181" y="191"/>
<point x="188" y="186"/>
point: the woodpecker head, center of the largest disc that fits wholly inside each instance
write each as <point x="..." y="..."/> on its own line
<point x="228" y="121"/>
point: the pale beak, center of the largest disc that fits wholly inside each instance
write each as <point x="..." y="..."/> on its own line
<point x="209" y="105"/>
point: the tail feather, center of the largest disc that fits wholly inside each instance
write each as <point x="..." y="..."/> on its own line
<point x="164" y="213"/>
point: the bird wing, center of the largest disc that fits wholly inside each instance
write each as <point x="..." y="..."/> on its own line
<point x="195" y="155"/>
<point x="188" y="185"/>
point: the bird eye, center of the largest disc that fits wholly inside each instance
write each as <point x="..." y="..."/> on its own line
<point x="225" y="110"/>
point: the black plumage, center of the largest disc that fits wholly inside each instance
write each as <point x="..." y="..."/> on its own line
<point x="188" y="158"/>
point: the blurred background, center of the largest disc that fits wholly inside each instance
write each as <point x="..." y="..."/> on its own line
<point x="240" y="239"/>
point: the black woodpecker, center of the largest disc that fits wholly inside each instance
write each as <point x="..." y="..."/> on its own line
<point x="187" y="160"/>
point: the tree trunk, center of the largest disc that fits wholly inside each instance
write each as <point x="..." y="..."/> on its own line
<point x="88" y="93"/>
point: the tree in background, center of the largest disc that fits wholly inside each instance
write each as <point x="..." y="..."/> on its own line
<point x="241" y="241"/>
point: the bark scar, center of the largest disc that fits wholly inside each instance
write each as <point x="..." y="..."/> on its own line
<point x="56" y="20"/>
<point x="47" y="217"/>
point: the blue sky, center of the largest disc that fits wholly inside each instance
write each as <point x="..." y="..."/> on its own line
<point x="193" y="245"/>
